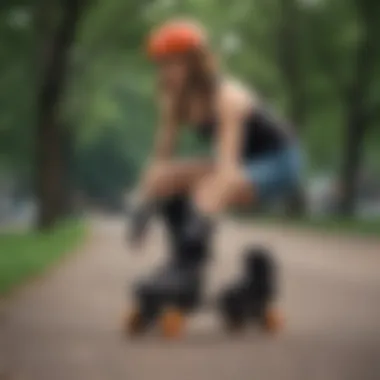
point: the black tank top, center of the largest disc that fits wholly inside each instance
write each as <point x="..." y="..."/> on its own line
<point x="263" y="133"/>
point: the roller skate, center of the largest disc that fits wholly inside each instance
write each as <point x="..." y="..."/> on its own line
<point x="171" y="292"/>
<point x="250" y="299"/>
<point x="163" y="300"/>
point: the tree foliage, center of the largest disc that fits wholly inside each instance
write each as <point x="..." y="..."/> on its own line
<point x="316" y="60"/>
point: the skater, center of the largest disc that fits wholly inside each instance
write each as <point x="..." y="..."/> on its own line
<point x="256" y="156"/>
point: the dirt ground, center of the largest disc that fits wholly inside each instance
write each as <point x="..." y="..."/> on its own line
<point x="67" y="324"/>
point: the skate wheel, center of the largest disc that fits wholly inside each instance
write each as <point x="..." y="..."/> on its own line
<point x="133" y="324"/>
<point x="273" y="321"/>
<point x="172" y="323"/>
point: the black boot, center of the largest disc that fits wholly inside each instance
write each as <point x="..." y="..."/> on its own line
<point x="189" y="234"/>
<point x="179" y="281"/>
<point x="249" y="297"/>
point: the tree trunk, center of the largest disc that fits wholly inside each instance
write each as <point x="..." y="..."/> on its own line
<point x="358" y="111"/>
<point x="54" y="57"/>
<point x="291" y="66"/>
<point x="290" y="60"/>
<point x="351" y="166"/>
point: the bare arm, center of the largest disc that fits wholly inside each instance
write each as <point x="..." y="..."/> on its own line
<point x="141" y="202"/>
<point x="231" y="107"/>
<point x="164" y="146"/>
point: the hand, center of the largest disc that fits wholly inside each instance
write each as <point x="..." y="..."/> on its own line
<point x="139" y="212"/>
<point x="140" y="218"/>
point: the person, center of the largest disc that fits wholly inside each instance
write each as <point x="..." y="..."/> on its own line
<point x="256" y="155"/>
<point x="255" y="159"/>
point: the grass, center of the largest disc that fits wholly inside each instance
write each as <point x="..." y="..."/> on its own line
<point x="347" y="226"/>
<point x="23" y="256"/>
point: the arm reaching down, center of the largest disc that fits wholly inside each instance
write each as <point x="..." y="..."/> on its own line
<point x="232" y="106"/>
<point x="142" y="204"/>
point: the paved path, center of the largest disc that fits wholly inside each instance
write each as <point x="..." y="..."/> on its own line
<point x="66" y="325"/>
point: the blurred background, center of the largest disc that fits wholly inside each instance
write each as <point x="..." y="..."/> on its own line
<point x="77" y="121"/>
<point x="77" y="114"/>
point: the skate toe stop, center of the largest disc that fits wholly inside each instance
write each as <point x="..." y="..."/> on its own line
<point x="274" y="321"/>
<point x="172" y="323"/>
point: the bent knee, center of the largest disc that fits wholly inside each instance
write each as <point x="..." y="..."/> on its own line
<point x="209" y="194"/>
<point x="215" y="193"/>
<point x="157" y="179"/>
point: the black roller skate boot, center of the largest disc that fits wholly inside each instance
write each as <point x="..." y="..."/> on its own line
<point x="250" y="298"/>
<point x="175" y="289"/>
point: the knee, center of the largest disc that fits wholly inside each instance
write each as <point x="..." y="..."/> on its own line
<point x="209" y="195"/>
<point x="216" y="192"/>
<point x="156" y="179"/>
<point x="202" y="194"/>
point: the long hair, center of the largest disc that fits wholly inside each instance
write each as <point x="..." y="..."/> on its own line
<point x="200" y="80"/>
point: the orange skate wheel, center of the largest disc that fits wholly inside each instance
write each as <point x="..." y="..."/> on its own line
<point x="273" y="320"/>
<point x="133" y="324"/>
<point x="172" y="323"/>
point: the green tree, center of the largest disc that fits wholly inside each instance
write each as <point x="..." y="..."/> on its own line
<point x="56" y="30"/>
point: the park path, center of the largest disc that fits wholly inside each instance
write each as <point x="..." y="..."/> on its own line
<point x="66" y="325"/>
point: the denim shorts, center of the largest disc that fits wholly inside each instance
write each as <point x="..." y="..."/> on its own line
<point x="277" y="174"/>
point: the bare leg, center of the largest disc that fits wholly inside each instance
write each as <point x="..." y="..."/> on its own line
<point x="214" y="195"/>
<point x="211" y="194"/>
<point x="175" y="177"/>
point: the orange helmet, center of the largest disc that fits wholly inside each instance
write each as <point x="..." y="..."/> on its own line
<point x="175" y="37"/>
